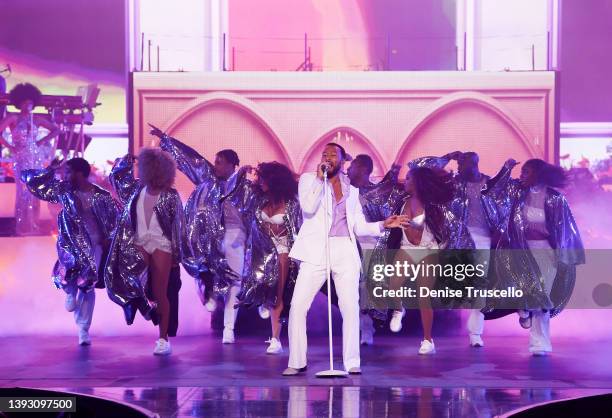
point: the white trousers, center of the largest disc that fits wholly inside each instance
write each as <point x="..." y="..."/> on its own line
<point x="539" y="333"/>
<point x="345" y="271"/>
<point x="85" y="301"/>
<point x="233" y="246"/>
<point x="482" y="242"/>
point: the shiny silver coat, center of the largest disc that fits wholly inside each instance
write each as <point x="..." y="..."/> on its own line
<point x="460" y="203"/>
<point x="261" y="274"/>
<point x="203" y="217"/>
<point x="448" y="230"/>
<point x="125" y="271"/>
<point x="513" y="262"/>
<point x="76" y="265"/>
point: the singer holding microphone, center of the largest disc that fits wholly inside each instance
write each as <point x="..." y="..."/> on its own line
<point x="345" y="220"/>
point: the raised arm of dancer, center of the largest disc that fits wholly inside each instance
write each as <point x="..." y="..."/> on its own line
<point x="197" y="168"/>
<point x="122" y="178"/>
<point x="42" y="182"/>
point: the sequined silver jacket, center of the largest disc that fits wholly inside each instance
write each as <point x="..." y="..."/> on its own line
<point x="125" y="270"/>
<point x="76" y="265"/>
<point x="261" y="274"/>
<point x="513" y="262"/>
<point x="204" y="227"/>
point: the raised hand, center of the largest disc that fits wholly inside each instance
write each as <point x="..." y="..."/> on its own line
<point x="155" y="131"/>
<point x="246" y="169"/>
<point x="510" y="163"/>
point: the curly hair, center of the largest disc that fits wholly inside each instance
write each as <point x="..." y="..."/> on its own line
<point x="24" y="91"/>
<point x="280" y="180"/>
<point x="433" y="186"/>
<point x="156" y="168"/>
<point x="547" y="174"/>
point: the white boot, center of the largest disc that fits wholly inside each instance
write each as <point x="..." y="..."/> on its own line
<point x="228" y="336"/>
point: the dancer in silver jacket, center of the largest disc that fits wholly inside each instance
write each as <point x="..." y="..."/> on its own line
<point x="539" y="248"/>
<point x="427" y="194"/>
<point x="147" y="241"/>
<point x="215" y="240"/>
<point x="271" y="211"/>
<point x="85" y="224"/>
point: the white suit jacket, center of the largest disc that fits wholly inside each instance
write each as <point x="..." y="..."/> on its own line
<point x="309" y="246"/>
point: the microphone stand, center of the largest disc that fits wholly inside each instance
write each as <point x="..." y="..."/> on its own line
<point x="331" y="372"/>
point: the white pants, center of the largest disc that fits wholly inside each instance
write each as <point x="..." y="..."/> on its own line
<point x="233" y="246"/>
<point x="345" y="271"/>
<point x="482" y="242"/>
<point x="539" y="333"/>
<point x="85" y="302"/>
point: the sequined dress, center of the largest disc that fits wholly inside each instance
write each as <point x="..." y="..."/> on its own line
<point x="27" y="155"/>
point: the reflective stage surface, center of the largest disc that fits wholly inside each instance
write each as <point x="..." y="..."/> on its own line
<point x="205" y="378"/>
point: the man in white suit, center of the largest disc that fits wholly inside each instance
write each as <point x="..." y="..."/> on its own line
<point x="345" y="220"/>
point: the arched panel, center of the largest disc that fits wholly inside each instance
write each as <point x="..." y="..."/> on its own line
<point x="353" y="141"/>
<point x="469" y="124"/>
<point x="217" y="123"/>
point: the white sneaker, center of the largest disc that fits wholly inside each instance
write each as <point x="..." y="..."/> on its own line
<point x="275" y="346"/>
<point x="427" y="347"/>
<point x="70" y="304"/>
<point x="476" y="340"/>
<point x="264" y="312"/>
<point x="84" y="338"/>
<point x="228" y="336"/>
<point x="211" y="304"/>
<point x="162" y="348"/>
<point x="395" y="324"/>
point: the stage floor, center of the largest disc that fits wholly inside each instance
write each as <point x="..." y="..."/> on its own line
<point x="205" y="378"/>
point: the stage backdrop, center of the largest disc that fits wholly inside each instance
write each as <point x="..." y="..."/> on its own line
<point x="392" y="116"/>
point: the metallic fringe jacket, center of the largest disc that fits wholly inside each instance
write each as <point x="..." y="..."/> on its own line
<point x="125" y="273"/>
<point x="76" y="265"/>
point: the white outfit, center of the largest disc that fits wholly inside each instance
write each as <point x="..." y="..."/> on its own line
<point x="428" y="241"/>
<point x="544" y="254"/>
<point x="233" y="248"/>
<point x="481" y="235"/>
<point x="280" y="241"/>
<point x="309" y="249"/>
<point x="85" y="301"/>
<point x="482" y="243"/>
<point x="149" y="236"/>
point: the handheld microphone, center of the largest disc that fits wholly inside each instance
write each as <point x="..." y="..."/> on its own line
<point x="324" y="167"/>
